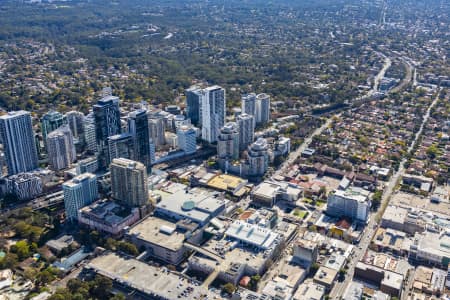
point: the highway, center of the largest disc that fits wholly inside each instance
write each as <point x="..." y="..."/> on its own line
<point x="387" y="64"/>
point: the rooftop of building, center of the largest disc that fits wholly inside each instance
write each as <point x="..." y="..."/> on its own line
<point x="106" y="99"/>
<point x="128" y="163"/>
<point x="353" y="193"/>
<point x="391" y="279"/>
<point x="196" y="204"/>
<point x="309" y="290"/>
<point x="229" y="127"/>
<point x="291" y="274"/>
<point x="433" y="243"/>
<point x="252" y="234"/>
<point x="335" y="262"/>
<point x="107" y="211"/>
<point x="120" y="136"/>
<point x="354" y="291"/>
<point x="12" y="114"/>
<point x="325" y="275"/>
<point x="158" y="231"/>
<point x="389" y="238"/>
<point x="306" y="244"/>
<point x="23" y="177"/>
<point x="77" y="180"/>
<point x="272" y="188"/>
<point x="259" y="145"/>
<point x="250" y="256"/>
<point x="227" y="182"/>
<point x="145" y="278"/>
<point x="277" y="290"/>
<point x="395" y="214"/>
<point x="60" y="243"/>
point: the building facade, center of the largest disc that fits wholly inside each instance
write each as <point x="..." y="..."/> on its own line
<point x="90" y="138"/>
<point x="246" y="124"/>
<point x="157" y="129"/>
<point x="194" y="96"/>
<point x="213" y="112"/>
<point x="107" y="123"/>
<point x="24" y="186"/>
<point x="352" y="203"/>
<point x="52" y="121"/>
<point x="187" y="139"/>
<point x="79" y="192"/>
<point x="228" y="142"/>
<point x="121" y="145"/>
<point x="262" y="109"/>
<point x="129" y="182"/>
<point x="75" y="120"/>
<point x="258" y="158"/>
<point x="249" y="104"/>
<point x="16" y="131"/>
<point x="139" y="129"/>
<point x="60" y="148"/>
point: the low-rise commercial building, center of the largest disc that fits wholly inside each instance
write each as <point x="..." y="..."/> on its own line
<point x="305" y="252"/>
<point x="159" y="238"/>
<point x="269" y="192"/>
<point x="253" y="235"/>
<point x="325" y="277"/>
<point x="429" y="281"/>
<point x="108" y="217"/>
<point x="146" y="281"/>
<point x="309" y="290"/>
<point x="431" y="248"/>
<point x="198" y="205"/>
<point x="389" y="282"/>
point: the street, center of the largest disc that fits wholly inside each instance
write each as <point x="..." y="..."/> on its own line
<point x="340" y="287"/>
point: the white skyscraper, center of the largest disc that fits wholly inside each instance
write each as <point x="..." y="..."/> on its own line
<point x="213" y="112"/>
<point x="16" y="131"/>
<point x="60" y="148"/>
<point x="157" y="128"/>
<point x="187" y="139"/>
<point x="246" y="130"/>
<point x="79" y="192"/>
<point x="228" y="142"/>
<point x="258" y="158"/>
<point x="89" y="133"/>
<point x="262" y="109"/>
<point x="249" y="104"/>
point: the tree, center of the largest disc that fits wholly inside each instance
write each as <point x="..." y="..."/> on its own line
<point x="10" y="261"/>
<point x="128" y="248"/>
<point x="101" y="287"/>
<point x="75" y="284"/>
<point x="314" y="268"/>
<point x="376" y="199"/>
<point x="44" y="277"/>
<point x="254" y="280"/>
<point x="229" y="288"/>
<point x="118" y="297"/>
<point x="432" y="151"/>
<point x="22" y="249"/>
